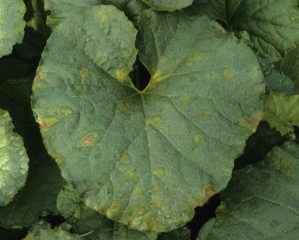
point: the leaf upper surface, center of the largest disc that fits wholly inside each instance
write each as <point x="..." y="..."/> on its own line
<point x="261" y="201"/>
<point x="146" y="158"/>
<point x="13" y="160"/>
<point x="11" y="24"/>
<point x="166" y="5"/>
<point x="273" y="25"/>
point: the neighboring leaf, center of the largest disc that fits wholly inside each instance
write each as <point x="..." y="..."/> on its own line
<point x="273" y="25"/>
<point x="36" y="31"/>
<point x="49" y="234"/>
<point x="261" y="201"/>
<point x="146" y="158"/>
<point x="61" y="9"/>
<point x="96" y="226"/>
<point x="275" y="80"/>
<point x="182" y="233"/>
<point x="11" y="24"/>
<point x="282" y="112"/>
<point x="13" y="160"/>
<point x="166" y="5"/>
<point x="290" y="66"/>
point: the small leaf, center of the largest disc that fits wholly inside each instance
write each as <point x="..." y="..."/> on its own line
<point x="11" y="24"/>
<point x="261" y="201"/>
<point x="146" y="158"/>
<point x="273" y="25"/>
<point x="166" y="5"/>
<point x="13" y="160"/>
<point x="282" y="112"/>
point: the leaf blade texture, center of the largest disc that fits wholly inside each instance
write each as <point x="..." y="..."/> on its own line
<point x="141" y="157"/>
<point x="13" y="160"/>
<point x="255" y="205"/>
<point x="11" y="25"/>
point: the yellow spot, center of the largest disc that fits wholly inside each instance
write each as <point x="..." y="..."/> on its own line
<point x="103" y="18"/>
<point x="156" y="121"/>
<point x="186" y="100"/>
<point x="227" y="73"/>
<point x="159" y="172"/>
<point x="67" y="111"/>
<point x="199" y="56"/>
<point x="204" y="115"/>
<point x="137" y="191"/>
<point x="46" y="122"/>
<point x="197" y="138"/>
<point x="113" y="210"/>
<point x="58" y="158"/>
<point x="88" y="139"/>
<point x="121" y="75"/>
<point x="251" y="123"/>
<point x="157" y="77"/>
<point x="129" y="174"/>
<point x="224" y="102"/>
<point x="210" y="75"/>
<point x="84" y="72"/>
<point x="123" y="108"/>
<point x="126" y="159"/>
<point x="284" y="166"/>
<point x="139" y="212"/>
<point x="157" y="202"/>
<point x="36" y="79"/>
<point x="155" y="188"/>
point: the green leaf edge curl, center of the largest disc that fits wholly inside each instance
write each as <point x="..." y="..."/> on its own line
<point x="166" y="5"/>
<point x="116" y="70"/>
<point x="12" y="24"/>
<point x="13" y="160"/>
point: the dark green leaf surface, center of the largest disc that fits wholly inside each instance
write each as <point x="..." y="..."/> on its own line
<point x="282" y="112"/>
<point x="182" y="233"/>
<point x="11" y="24"/>
<point x="13" y="160"/>
<point x="168" y="5"/>
<point x="86" y="220"/>
<point x="261" y="201"/>
<point x="146" y="158"/>
<point x="290" y="66"/>
<point x="273" y="25"/>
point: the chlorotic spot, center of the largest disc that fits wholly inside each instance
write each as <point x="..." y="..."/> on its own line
<point x="113" y="210"/>
<point x="186" y="100"/>
<point x="84" y="72"/>
<point x="157" y="202"/>
<point x="159" y="172"/>
<point x="211" y="75"/>
<point x="137" y="191"/>
<point x="67" y="111"/>
<point x="88" y="139"/>
<point x="37" y="78"/>
<point x="157" y="77"/>
<point x="126" y="159"/>
<point x="121" y="75"/>
<point x="156" y="121"/>
<point x="204" y="115"/>
<point x="251" y="123"/>
<point x="227" y="73"/>
<point x="129" y="174"/>
<point x="198" y="138"/>
<point x="46" y="122"/>
<point x="199" y="56"/>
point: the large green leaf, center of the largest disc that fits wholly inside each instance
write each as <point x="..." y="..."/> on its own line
<point x="146" y="158"/>
<point x="261" y="201"/>
<point x="282" y="112"/>
<point x="13" y="160"/>
<point x="167" y="5"/>
<point x="11" y="24"/>
<point x="85" y="220"/>
<point x="273" y="25"/>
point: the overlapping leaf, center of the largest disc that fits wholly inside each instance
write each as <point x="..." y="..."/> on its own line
<point x="13" y="160"/>
<point x="273" y="25"/>
<point x="86" y="220"/>
<point x="282" y="112"/>
<point x="261" y="201"/>
<point x="146" y="158"/>
<point x="11" y="24"/>
<point x="166" y="5"/>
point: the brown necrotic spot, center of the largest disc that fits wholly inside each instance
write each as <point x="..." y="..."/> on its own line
<point x="88" y="139"/>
